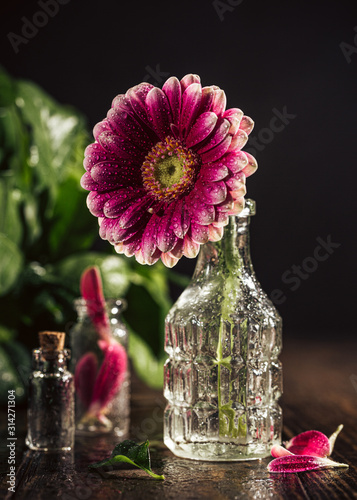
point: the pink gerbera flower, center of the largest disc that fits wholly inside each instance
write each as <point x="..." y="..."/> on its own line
<point x="166" y="169"/>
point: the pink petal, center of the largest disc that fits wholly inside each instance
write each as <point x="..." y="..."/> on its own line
<point x="200" y="212"/>
<point x="221" y="219"/>
<point x="137" y="97"/>
<point x="172" y="89"/>
<point x="165" y="236"/>
<point x="237" y="185"/>
<point x="111" y="175"/>
<point x="238" y="206"/>
<point x="252" y="165"/>
<point x="207" y="99"/>
<point x="100" y="127"/>
<point x="236" y="162"/>
<point x="93" y="154"/>
<point x="110" y="230"/>
<point x="313" y="443"/>
<point x="219" y="102"/>
<point x="169" y="260"/>
<point x="89" y="184"/>
<point x="190" y="248"/>
<point x="227" y="205"/>
<point x="132" y="245"/>
<point x="188" y="80"/>
<point x="213" y="172"/>
<point x="177" y="251"/>
<point x="110" y="376"/>
<point x="128" y="128"/>
<point x="246" y="124"/>
<point x="219" y="133"/>
<point x="213" y="192"/>
<point x="191" y="101"/>
<point x="301" y="463"/>
<point x="136" y="212"/>
<point x="84" y="377"/>
<point x="148" y="242"/>
<point x="218" y="151"/>
<point x="120" y="200"/>
<point x="180" y="219"/>
<point x="96" y="202"/>
<point x="201" y="129"/>
<point x="279" y="451"/>
<point x="215" y="233"/>
<point x="238" y="141"/>
<point x="159" y="112"/>
<point x="198" y="233"/>
<point x="120" y="148"/>
<point x="234" y="116"/>
<point x="122" y="102"/>
<point x="131" y="109"/>
<point x="92" y="291"/>
<point x="153" y="258"/>
<point x="138" y="256"/>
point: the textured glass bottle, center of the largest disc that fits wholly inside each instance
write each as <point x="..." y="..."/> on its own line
<point x="102" y="377"/>
<point x="50" y="416"/>
<point x="223" y="337"/>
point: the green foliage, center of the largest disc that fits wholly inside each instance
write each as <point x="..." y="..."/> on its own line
<point x="47" y="234"/>
<point x="131" y="453"/>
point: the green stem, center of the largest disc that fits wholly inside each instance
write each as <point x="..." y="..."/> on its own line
<point x="232" y="266"/>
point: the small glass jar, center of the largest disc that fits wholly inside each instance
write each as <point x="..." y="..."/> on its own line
<point x="51" y="423"/>
<point x="101" y="371"/>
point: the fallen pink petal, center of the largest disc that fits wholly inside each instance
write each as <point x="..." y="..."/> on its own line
<point x="166" y="169"/>
<point x="279" y="451"/>
<point x="313" y="443"/>
<point x="300" y="463"/>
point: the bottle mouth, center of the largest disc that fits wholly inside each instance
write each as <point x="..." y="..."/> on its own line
<point x="113" y="305"/>
<point x="249" y="209"/>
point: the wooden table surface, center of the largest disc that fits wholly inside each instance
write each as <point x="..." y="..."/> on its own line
<point x="320" y="392"/>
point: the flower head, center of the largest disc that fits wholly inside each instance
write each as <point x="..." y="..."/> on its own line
<point x="166" y="169"/>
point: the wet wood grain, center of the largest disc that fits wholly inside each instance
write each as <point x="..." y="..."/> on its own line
<point x="319" y="393"/>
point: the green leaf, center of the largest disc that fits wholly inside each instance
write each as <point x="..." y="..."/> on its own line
<point x="21" y="360"/>
<point x="6" y="334"/>
<point x="150" y="290"/>
<point x="132" y="453"/>
<point x="72" y="225"/>
<point x="7" y="95"/>
<point x="9" y="379"/>
<point x="10" y="263"/>
<point x="10" y="206"/>
<point x="55" y="130"/>
<point x="147" y="366"/>
<point x="114" y="270"/>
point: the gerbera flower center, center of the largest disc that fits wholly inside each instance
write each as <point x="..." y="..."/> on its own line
<point x="170" y="169"/>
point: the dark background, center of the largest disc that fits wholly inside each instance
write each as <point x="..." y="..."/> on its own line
<point x="266" y="56"/>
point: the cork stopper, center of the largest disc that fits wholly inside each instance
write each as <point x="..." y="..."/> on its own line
<point x="51" y="343"/>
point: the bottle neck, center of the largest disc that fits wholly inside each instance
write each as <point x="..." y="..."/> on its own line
<point x="50" y="363"/>
<point x="113" y="308"/>
<point x="229" y="256"/>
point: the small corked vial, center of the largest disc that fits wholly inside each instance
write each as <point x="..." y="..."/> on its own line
<point x="51" y="396"/>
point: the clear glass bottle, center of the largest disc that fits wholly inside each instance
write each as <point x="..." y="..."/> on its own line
<point x="101" y="370"/>
<point x="50" y="414"/>
<point x="223" y="336"/>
